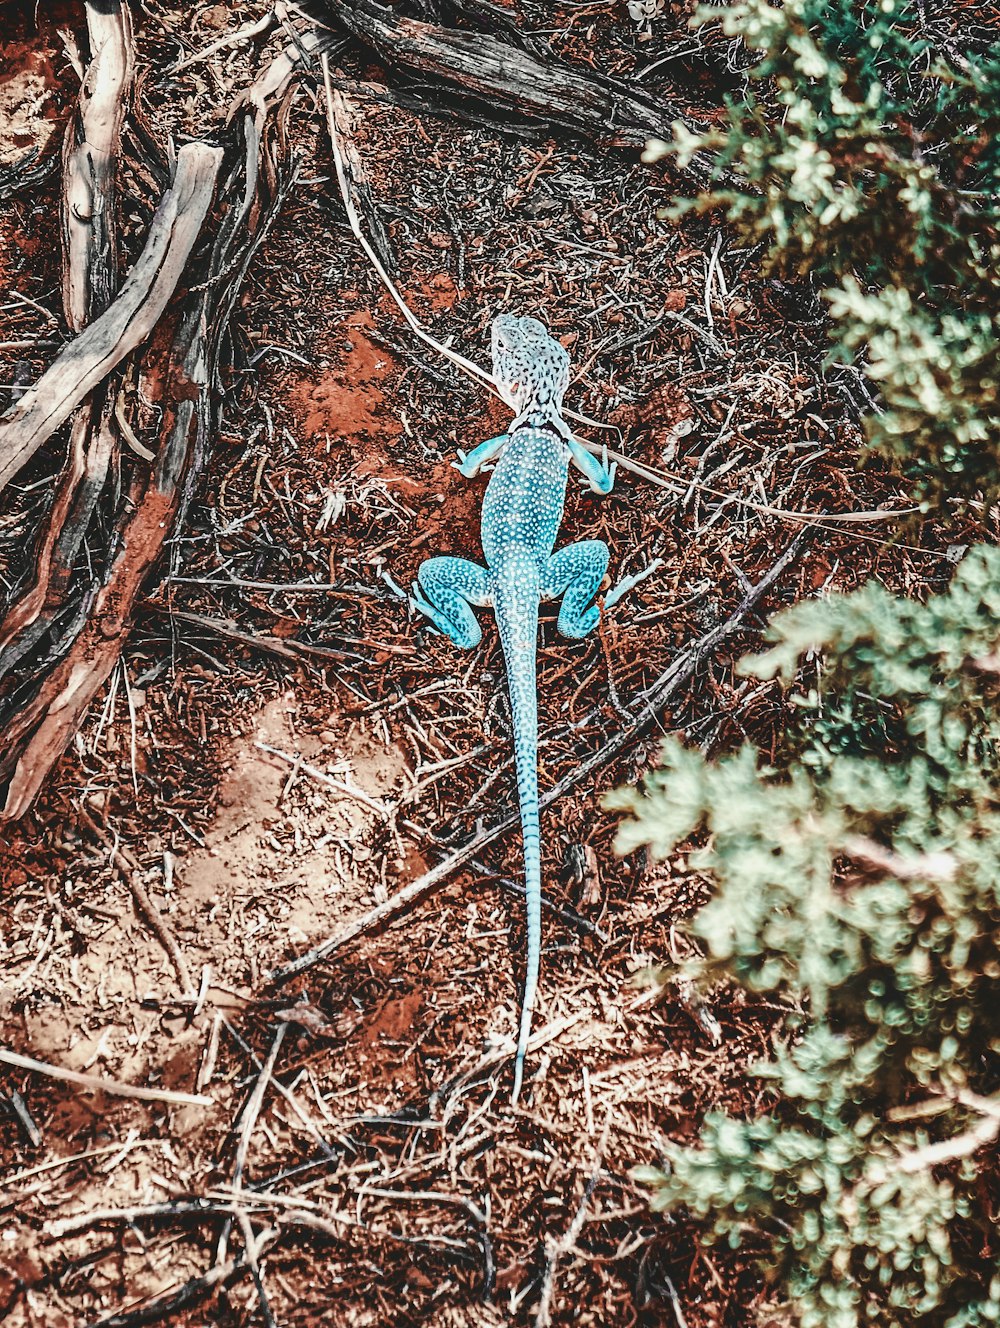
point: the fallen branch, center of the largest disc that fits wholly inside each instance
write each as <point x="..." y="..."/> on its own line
<point x="90" y="160"/>
<point x="180" y="375"/>
<point x="91" y="356"/>
<point x="90" y="280"/>
<point x="96" y="1084"/>
<point x="506" y="79"/>
<point x="244" y="34"/>
<point x="41" y="729"/>
<point x="31" y="170"/>
<point x="938" y="867"/>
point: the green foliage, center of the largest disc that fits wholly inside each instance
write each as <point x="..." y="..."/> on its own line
<point x="859" y="881"/>
<point x="871" y="160"/>
<point x="862" y="884"/>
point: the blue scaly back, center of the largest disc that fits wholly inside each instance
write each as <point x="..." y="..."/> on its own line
<point x="521" y="516"/>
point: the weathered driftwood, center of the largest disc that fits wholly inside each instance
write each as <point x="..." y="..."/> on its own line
<point x="90" y="161"/>
<point x="176" y="340"/>
<point x="90" y="281"/>
<point x="505" y="77"/>
<point x="104" y="343"/>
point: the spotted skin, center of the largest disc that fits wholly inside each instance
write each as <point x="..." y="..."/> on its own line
<point x="522" y="513"/>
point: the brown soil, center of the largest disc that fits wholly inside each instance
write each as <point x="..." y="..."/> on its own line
<point x="29" y="104"/>
<point x="392" y="1182"/>
<point x="346" y="403"/>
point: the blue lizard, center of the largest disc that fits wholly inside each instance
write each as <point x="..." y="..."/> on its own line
<point x="522" y="513"/>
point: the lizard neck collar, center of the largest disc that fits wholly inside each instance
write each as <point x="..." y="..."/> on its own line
<point x="545" y="420"/>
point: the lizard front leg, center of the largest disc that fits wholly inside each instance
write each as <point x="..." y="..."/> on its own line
<point x="471" y="463"/>
<point x="444" y="591"/>
<point x="574" y="575"/>
<point x="599" y="477"/>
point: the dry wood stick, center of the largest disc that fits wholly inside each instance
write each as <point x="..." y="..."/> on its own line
<point x="246" y="33"/>
<point x="197" y="1207"/>
<point x="90" y="159"/>
<point x="249" y="1121"/>
<point x="254" y="1105"/>
<point x="983" y="1132"/>
<point x="337" y="118"/>
<point x="128" y="869"/>
<point x="557" y="1247"/>
<point x="91" y="445"/>
<point x="654" y="699"/>
<point x="39" y="714"/>
<point x="96" y="1084"/>
<point x="509" y="79"/>
<point x="90" y="281"/>
<point x="158" y="1309"/>
<point x="666" y="479"/>
<point x="71" y="1159"/>
<point x="263" y="641"/>
<point x="321" y="777"/>
<point x="181" y="370"/>
<point x="129" y="320"/>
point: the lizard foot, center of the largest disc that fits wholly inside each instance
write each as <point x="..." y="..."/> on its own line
<point x="628" y="583"/>
<point x="468" y="468"/>
<point x="480" y="458"/>
<point x="601" y="479"/>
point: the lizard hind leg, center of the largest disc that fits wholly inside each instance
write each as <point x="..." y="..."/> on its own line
<point x="574" y="575"/>
<point x="445" y="590"/>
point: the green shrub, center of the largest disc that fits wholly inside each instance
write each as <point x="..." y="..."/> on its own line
<point x="862" y="884"/>
<point x="867" y="155"/>
<point x="859" y="880"/>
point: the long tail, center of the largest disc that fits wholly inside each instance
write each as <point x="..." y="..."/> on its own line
<point x="517" y="619"/>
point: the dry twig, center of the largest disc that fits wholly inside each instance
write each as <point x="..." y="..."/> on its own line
<point x="128" y="869"/>
<point x="95" y="1084"/>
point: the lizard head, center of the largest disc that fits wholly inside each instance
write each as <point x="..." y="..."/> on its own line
<point x="531" y="369"/>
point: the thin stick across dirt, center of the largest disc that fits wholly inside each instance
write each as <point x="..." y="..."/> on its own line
<point x="96" y="1084"/>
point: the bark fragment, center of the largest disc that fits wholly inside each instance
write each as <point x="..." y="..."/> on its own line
<point x="62" y="636"/>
